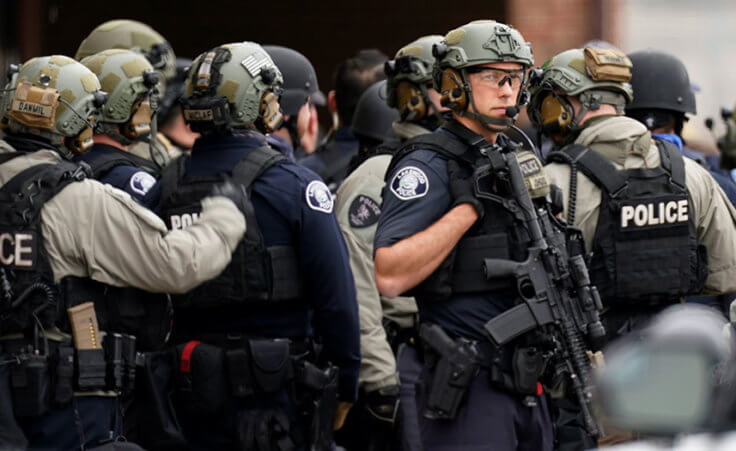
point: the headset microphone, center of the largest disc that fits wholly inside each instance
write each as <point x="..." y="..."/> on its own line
<point x="512" y="111"/>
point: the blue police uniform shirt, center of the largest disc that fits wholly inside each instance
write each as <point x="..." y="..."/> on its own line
<point x="130" y="179"/>
<point x="290" y="209"/>
<point x="417" y="195"/>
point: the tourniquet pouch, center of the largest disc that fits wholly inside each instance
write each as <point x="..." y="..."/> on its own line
<point x="201" y="385"/>
<point x="156" y="424"/>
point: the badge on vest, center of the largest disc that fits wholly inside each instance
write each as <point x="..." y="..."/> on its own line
<point x="363" y="212"/>
<point x="141" y="182"/>
<point x="656" y="213"/>
<point x="319" y="197"/>
<point x="410" y="183"/>
<point x="18" y="249"/>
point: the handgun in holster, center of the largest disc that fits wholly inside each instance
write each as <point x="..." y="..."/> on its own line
<point x="323" y="383"/>
<point x="456" y="365"/>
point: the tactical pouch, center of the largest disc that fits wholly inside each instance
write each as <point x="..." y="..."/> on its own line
<point x="113" y="345"/>
<point x="64" y="385"/>
<point x="31" y="386"/>
<point x="271" y="364"/>
<point x="201" y="388"/>
<point x="129" y="362"/>
<point x="607" y="65"/>
<point x="91" y="369"/>
<point x="158" y="426"/>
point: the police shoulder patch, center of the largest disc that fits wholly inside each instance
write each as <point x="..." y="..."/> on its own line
<point x="141" y="182"/>
<point x="410" y="183"/>
<point x="319" y="197"/>
<point x="363" y="212"/>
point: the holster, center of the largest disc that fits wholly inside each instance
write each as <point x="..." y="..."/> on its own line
<point x="201" y="385"/>
<point x="527" y="365"/>
<point x="454" y="368"/>
<point x="321" y="386"/>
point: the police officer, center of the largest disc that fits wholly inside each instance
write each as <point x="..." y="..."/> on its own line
<point x="412" y="109"/>
<point x="662" y="100"/>
<point x="140" y="38"/>
<point x="128" y="79"/>
<point x="352" y="77"/>
<point x="370" y="423"/>
<point x="65" y="240"/>
<point x="290" y="271"/>
<point x="429" y="233"/>
<point x="300" y="127"/>
<point x="649" y="230"/>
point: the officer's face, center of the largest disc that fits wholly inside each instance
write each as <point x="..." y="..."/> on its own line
<point x="494" y="90"/>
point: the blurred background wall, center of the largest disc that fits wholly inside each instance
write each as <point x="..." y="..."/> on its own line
<point x="327" y="31"/>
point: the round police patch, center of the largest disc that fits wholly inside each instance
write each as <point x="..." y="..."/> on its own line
<point x="363" y="212"/>
<point x="410" y="183"/>
<point x="319" y="197"/>
<point x="141" y="182"/>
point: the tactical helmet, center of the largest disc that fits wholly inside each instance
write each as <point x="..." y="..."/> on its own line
<point x="58" y="99"/>
<point x="598" y="76"/>
<point x="128" y="78"/>
<point x="233" y="86"/>
<point x="408" y="74"/>
<point x="300" y="79"/>
<point x="131" y="35"/>
<point x="479" y="42"/>
<point x="660" y="81"/>
<point x="373" y="118"/>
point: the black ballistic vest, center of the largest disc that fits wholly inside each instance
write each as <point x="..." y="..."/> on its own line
<point x="256" y="273"/>
<point x="500" y="234"/>
<point x="103" y="162"/>
<point x="645" y="250"/>
<point x="26" y="269"/>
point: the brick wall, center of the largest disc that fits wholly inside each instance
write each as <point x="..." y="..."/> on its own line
<point x="553" y="26"/>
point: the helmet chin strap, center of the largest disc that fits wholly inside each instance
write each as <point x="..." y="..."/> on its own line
<point x="490" y="123"/>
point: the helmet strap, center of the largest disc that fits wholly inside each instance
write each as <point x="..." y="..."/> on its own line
<point x="490" y="123"/>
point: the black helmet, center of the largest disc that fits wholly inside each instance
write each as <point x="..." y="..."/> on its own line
<point x="661" y="82"/>
<point x="300" y="79"/>
<point x="373" y="117"/>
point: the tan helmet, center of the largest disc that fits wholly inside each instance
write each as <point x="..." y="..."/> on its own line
<point x="407" y="77"/>
<point x="131" y="35"/>
<point x="58" y="99"/>
<point x="474" y="44"/>
<point x="233" y="86"/>
<point x="129" y="80"/>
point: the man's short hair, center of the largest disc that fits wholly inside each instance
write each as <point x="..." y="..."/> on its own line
<point x="355" y="75"/>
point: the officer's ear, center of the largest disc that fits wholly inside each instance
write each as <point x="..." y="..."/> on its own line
<point x="332" y="101"/>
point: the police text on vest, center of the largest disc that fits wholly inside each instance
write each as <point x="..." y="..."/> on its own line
<point x="650" y="214"/>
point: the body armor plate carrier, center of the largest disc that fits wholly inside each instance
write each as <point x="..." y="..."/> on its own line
<point x="645" y="249"/>
<point x="256" y="273"/>
<point x="103" y="162"/>
<point x="501" y="234"/>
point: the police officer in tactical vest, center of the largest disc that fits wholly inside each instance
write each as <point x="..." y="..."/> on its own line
<point x="663" y="99"/>
<point x="657" y="225"/>
<point x="432" y="237"/>
<point x="414" y="107"/>
<point x="142" y="39"/>
<point x="66" y="241"/>
<point x="249" y="374"/>
<point x="129" y="81"/>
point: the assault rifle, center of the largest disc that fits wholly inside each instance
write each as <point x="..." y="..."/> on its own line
<point x="553" y="283"/>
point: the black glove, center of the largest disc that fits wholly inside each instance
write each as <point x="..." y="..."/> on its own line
<point x="383" y="404"/>
<point x="234" y="192"/>
<point x="461" y="188"/>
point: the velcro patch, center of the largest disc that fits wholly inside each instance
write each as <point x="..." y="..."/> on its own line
<point x="410" y="183"/>
<point x="668" y="211"/>
<point x="141" y="182"/>
<point x="363" y="212"/>
<point x="319" y="197"/>
<point x="254" y="62"/>
<point x="199" y="115"/>
<point x="18" y="249"/>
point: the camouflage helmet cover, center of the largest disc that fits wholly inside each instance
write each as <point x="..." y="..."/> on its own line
<point x="131" y="35"/>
